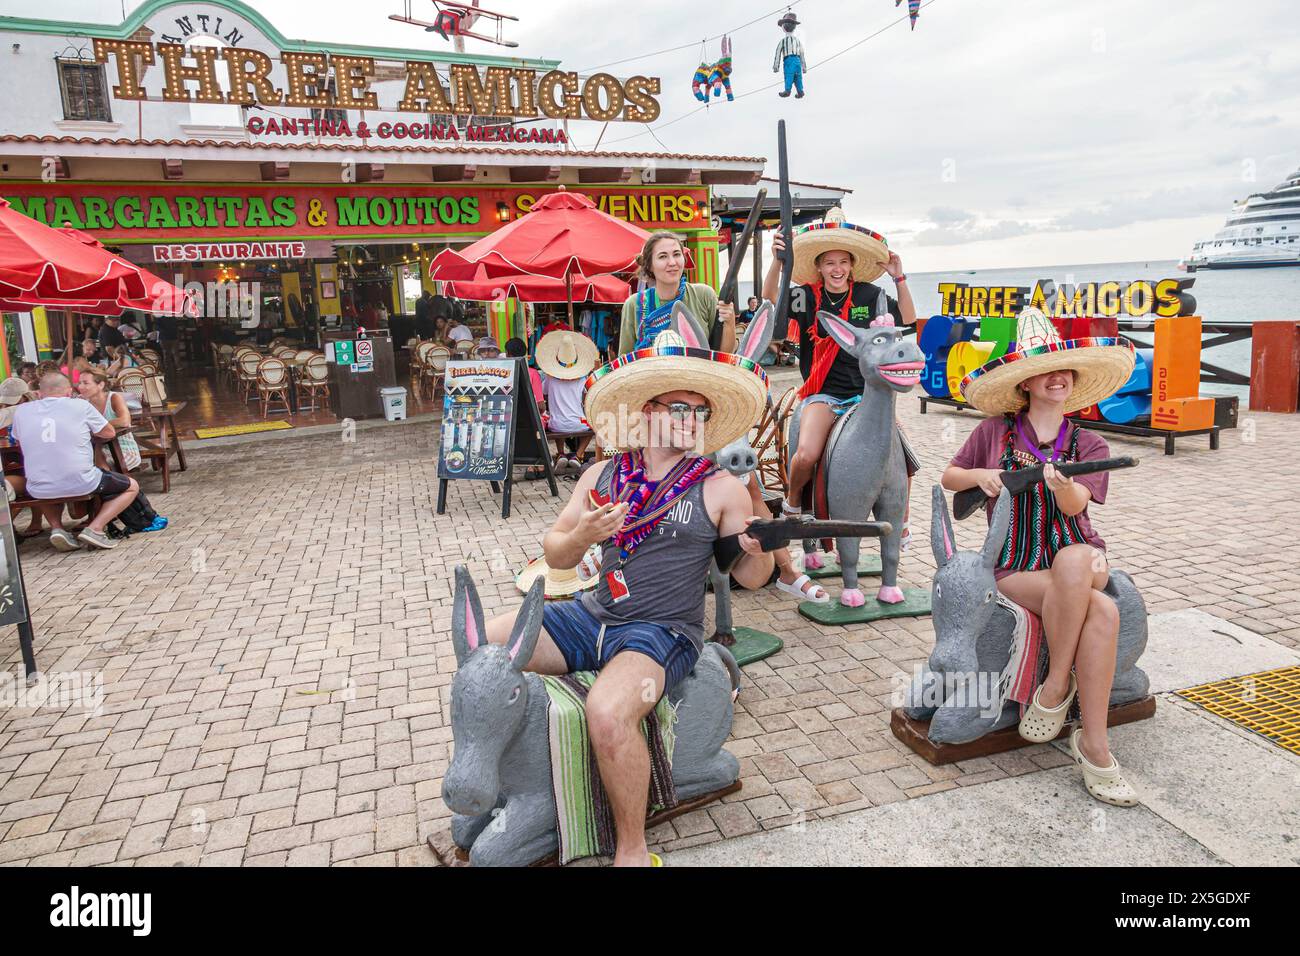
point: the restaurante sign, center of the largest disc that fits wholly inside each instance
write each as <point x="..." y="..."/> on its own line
<point x="323" y="80"/>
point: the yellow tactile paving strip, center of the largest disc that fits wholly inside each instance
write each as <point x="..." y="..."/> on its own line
<point x="226" y="430"/>
<point x="1267" y="703"/>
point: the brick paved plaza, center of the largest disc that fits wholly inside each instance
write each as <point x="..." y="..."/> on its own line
<point x="277" y="663"/>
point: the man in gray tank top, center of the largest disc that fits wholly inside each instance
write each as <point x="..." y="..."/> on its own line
<point x="660" y="513"/>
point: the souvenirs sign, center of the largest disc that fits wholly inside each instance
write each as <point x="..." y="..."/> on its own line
<point x="282" y="212"/>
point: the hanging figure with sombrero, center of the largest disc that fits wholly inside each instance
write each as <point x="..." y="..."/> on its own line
<point x="1054" y="563"/>
<point x="660" y="512"/>
<point x="835" y="266"/>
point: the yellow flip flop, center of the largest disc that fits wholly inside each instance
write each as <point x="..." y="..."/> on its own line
<point x="656" y="860"/>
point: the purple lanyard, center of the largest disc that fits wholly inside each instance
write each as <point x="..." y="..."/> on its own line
<point x="1057" y="451"/>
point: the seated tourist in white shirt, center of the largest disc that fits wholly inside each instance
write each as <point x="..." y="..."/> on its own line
<point x="56" y="434"/>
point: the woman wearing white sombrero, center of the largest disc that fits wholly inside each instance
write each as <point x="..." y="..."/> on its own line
<point x="1054" y="563"/>
<point x="835" y="266"/>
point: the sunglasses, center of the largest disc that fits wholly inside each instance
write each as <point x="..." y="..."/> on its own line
<point x="681" y="410"/>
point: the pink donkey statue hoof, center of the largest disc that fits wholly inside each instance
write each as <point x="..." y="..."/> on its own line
<point x="890" y="595"/>
<point x="812" y="561"/>
<point x="853" y="597"/>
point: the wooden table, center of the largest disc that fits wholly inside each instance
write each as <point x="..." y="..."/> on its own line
<point x="168" y="443"/>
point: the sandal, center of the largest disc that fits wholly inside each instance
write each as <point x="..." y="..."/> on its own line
<point x="1106" y="784"/>
<point x="789" y="509"/>
<point x="1041" y="724"/>
<point x="906" y="538"/>
<point x="816" y="594"/>
<point x="535" y="473"/>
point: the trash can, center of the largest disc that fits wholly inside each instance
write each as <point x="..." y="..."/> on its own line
<point x="394" y="401"/>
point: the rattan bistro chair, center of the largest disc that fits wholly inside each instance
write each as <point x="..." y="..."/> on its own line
<point x="434" y="366"/>
<point x="273" y="380"/>
<point x="313" y="380"/>
<point x="770" y="442"/>
<point x="248" y="364"/>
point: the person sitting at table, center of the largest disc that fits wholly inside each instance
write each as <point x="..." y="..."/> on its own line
<point x="56" y="434"/>
<point x="12" y="391"/>
<point x="121" y="358"/>
<point x="94" y="388"/>
<point x="27" y="372"/>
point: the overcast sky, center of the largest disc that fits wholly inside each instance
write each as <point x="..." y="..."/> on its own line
<point x="998" y="133"/>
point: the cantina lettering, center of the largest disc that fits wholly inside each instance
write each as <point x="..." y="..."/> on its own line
<point x="493" y="91"/>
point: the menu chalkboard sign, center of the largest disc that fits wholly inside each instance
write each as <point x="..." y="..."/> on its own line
<point x="13" y="595"/>
<point x="477" y="419"/>
<point x="490" y="424"/>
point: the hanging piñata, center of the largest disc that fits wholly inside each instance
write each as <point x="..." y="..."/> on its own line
<point x="913" y="10"/>
<point x="789" y="56"/>
<point x="714" y="76"/>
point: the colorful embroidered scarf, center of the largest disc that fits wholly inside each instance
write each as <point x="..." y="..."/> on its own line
<point x="1038" y="528"/>
<point x="825" y="348"/>
<point x="653" y="316"/>
<point x="649" y="501"/>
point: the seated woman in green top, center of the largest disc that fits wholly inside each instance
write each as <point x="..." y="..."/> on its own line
<point x="647" y="313"/>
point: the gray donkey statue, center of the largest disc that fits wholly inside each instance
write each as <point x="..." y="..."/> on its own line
<point x="973" y="635"/>
<point x="499" y="782"/>
<point x="741" y="460"/>
<point x="866" y="471"/>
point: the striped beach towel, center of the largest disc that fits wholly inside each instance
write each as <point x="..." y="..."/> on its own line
<point x="584" y="817"/>
<point x="1021" y="676"/>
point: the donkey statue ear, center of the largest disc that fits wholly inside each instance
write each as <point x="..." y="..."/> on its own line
<point x="689" y="328"/>
<point x="758" y="335"/>
<point x="467" y="630"/>
<point x="843" y="333"/>
<point x="528" y="625"/>
<point x="942" y="542"/>
<point x="996" y="540"/>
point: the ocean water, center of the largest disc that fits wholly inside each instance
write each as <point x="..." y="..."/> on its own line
<point x="1222" y="296"/>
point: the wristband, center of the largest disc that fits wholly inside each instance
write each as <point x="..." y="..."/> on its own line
<point x="902" y="278"/>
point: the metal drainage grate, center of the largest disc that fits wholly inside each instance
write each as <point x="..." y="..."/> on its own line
<point x="1267" y="703"/>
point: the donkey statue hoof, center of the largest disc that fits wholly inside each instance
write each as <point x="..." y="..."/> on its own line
<point x="890" y="595"/>
<point x="813" y="562"/>
<point x="853" y="597"/>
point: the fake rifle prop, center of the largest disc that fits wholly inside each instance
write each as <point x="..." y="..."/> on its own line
<point x="966" y="503"/>
<point x="773" y="533"/>
<point x="728" y="291"/>
<point x="787" y="228"/>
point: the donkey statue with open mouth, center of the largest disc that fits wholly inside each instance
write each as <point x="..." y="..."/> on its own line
<point x="866" y="471"/>
<point x="974" y="635"/>
<point x="499" y="784"/>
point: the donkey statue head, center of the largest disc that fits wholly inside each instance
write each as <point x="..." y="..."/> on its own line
<point x="885" y="359"/>
<point x="489" y="695"/>
<point x="964" y="592"/>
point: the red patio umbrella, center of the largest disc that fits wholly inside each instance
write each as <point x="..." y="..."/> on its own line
<point x="607" y="289"/>
<point x="38" y="262"/>
<point x="563" y="234"/>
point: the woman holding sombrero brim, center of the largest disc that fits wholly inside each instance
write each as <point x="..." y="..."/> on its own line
<point x="662" y="264"/>
<point x="1054" y="563"/>
<point x="835" y="266"/>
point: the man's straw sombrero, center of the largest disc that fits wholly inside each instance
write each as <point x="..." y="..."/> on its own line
<point x="559" y="584"/>
<point x="1101" y="366"/>
<point x="566" y="355"/>
<point x="616" y="393"/>
<point x="869" y="250"/>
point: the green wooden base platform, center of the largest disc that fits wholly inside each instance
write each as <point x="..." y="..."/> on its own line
<point x="915" y="603"/>
<point x="867" y="564"/>
<point x="750" y="645"/>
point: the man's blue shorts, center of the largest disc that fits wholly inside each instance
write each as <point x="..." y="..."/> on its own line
<point x="577" y="634"/>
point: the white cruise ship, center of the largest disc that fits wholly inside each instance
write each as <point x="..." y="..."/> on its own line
<point x="1263" y="230"/>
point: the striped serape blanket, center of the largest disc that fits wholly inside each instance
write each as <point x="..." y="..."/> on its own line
<point x="584" y="817"/>
<point x="1022" y="676"/>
